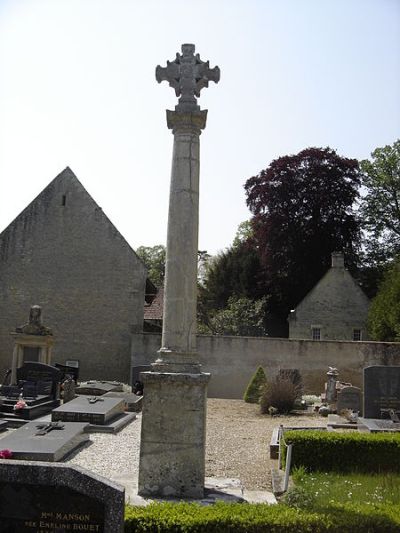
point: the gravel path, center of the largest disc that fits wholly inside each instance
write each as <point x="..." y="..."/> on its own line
<point x="238" y="439"/>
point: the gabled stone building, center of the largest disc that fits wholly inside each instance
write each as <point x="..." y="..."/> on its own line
<point x="336" y="308"/>
<point x="64" y="254"/>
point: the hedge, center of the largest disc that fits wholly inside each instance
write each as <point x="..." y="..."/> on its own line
<point x="260" y="518"/>
<point x="345" y="452"/>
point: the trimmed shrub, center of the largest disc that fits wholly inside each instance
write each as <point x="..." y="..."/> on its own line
<point x="345" y="452"/>
<point x="281" y="394"/>
<point x="255" y="386"/>
<point x="259" y="518"/>
<point x="293" y="374"/>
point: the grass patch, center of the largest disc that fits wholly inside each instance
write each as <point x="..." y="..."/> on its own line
<point x="334" y="488"/>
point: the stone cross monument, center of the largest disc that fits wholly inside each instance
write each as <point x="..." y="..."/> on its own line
<point x="172" y="453"/>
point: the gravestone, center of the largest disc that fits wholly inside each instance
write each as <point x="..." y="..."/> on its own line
<point x="67" y="370"/>
<point x="45" y="441"/>
<point x="132" y="401"/>
<point x="38" y="385"/>
<point x="349" y="398"/>
<point x="100" y="412"/>
<point x="43" y="497"/>
<point x="68" y="389"/>
<point x="42" y="375"/>
<point x="381" y="391"/>
<point x="98" y="388"/>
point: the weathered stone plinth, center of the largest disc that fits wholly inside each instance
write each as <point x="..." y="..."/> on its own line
<point x="172" y="449"/>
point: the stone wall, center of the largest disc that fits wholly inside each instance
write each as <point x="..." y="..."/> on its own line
<point x="233" y="360"/>
<point x="63" y="254"/>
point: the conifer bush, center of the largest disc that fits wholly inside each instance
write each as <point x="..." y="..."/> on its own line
<point x="255" y="386"/>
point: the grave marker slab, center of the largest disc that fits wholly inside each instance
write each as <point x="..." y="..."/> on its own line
<point x="98" y="388"/>
<point x="95" y="410"/>
<point x="132" y="401"/>
<point x="381" y="390"/>
<point x="43" y="497"/>
<point x="349" y="398"/>
<point x="52" y="445"/>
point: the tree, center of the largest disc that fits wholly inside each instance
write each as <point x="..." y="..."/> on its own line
<point x="381" y="205"/>
<point x="154" y="258"/>
<point x="233" y="272"/>
<point x="241" y="316"/>
<point x="384" y="312"/>
<point x="243" y="233"/>
<point x="302" y="208"/>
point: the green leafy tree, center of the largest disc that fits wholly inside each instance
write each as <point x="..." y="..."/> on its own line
<point x="255" y="387"/>
<point x="244" y="234"/>
<point x="154" y="258"/>
<point x="380" y="207"/>
<point x="241" y="316"/>
<point x="303" y="210"/>
<point x="384" y="312"/>
<point x="232" y="273"/>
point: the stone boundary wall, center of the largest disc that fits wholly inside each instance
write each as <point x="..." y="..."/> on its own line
<point x="233" y="360"/>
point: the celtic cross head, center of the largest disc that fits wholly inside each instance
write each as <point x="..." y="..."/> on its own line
<point x="187" y="74"/>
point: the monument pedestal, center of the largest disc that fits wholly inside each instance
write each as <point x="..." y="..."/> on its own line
<point x="172" y="449"/>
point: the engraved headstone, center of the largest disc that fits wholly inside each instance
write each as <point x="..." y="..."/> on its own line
<point x="45" y="497"/>
<point x="38" y="386"/>
<point x="381" y="391"/>
<point x="46" y="377"/>
<point x="349" y="398"/>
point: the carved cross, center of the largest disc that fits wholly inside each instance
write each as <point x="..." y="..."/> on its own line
<point x="94" y="399"/>
<point x="43" y="429"/>
<point x="187" y="74"/>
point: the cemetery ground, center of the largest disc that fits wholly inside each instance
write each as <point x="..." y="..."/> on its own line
<point x="238" y="438"/>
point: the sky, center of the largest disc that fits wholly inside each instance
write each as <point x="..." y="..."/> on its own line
<point x="78" y="89"/>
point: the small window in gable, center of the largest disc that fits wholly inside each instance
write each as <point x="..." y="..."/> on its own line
<point x="64" y="199"/>
<point x="315" y="333"/>
<point x="357" y="334"/>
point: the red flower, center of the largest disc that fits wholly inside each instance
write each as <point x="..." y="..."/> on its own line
<point x="5" y="454"/>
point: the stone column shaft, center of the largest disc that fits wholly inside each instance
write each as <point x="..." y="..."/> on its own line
<point x="178" y="347"/>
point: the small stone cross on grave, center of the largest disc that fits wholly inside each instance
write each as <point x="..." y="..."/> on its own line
<point x="43" y="429"/>
<point x="187" y="74"/>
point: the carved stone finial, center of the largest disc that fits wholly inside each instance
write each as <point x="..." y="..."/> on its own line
<point x="187" y="74"/>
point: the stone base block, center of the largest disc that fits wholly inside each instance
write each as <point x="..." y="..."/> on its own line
<point x="172" y="450"/>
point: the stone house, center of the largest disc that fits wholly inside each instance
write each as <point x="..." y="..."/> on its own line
<point x="336" y="308"/>
<point x="64" y="254"/>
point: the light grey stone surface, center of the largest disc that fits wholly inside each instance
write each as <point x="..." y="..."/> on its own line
<point x="172" y="454"/>
<point x="63" y="253"/>
<point x="232" y="361"/>
<point x="336" y="305"/>
<point x="172" y="451"/>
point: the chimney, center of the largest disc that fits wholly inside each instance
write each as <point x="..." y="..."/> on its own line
<point x="337" y="260"/>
